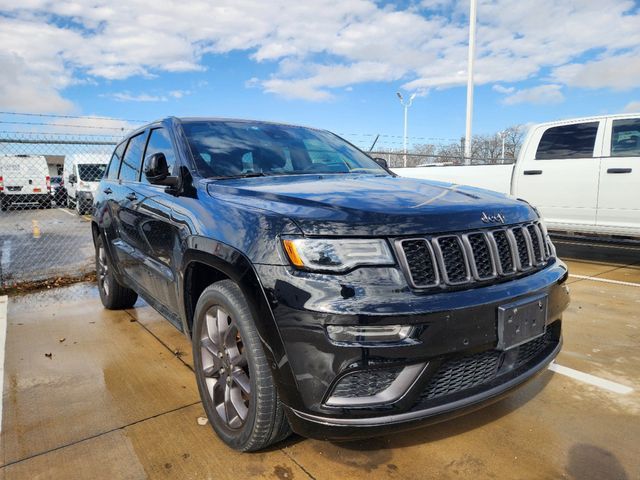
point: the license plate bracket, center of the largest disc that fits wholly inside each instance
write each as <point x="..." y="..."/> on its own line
<point x="521" y="321"/>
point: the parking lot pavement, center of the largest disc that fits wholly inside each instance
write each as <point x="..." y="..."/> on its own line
<point x="43" y="243"/>
<point x="117" y="399"/>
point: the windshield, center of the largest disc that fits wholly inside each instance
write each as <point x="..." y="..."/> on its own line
<point x="228" y="149"/>
<point x="91" y="172"/>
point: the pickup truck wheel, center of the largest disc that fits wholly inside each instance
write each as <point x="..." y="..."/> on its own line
<point x="232" y="372"/>
<point x="79" y="208"/>
<point x="113" y="295"/>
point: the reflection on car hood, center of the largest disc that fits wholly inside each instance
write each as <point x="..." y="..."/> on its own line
<point x="352" y="204"/>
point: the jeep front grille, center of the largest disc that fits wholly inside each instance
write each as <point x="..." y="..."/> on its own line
<point x="477" y="256"/>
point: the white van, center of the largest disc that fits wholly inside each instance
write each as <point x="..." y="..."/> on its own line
<point x="582" y="174"/>
<point x="82" y="173"/>
<point x="24" y="181"/>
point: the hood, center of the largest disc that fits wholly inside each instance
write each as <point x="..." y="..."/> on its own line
<point x="369" y="205"/>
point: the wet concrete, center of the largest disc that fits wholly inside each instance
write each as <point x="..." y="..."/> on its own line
<point x="117" y="399"/>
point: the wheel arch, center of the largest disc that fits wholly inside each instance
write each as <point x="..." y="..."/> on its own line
<point x="202" y="268"/>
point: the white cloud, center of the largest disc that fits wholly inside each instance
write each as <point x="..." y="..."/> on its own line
<point x="140" y="97"/>
<point x="503" y="89"/>
<point x="542" y="94"/>
<point x="620" y="72"/>
<point x="318" y="48"/>
<point x="23" y="90"/>
<point x="178" y="94"/>
<point x="632" y="107"/>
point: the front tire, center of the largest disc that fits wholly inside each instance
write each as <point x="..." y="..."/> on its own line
<point x="113" y="295"/>
<point x="232" y="372"/>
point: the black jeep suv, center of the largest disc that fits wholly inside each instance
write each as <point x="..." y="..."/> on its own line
<point x="321" y="292"/>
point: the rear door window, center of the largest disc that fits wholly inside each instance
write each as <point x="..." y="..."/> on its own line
<point x="114" y="164"/>
<point x="130" y="168"/>
<point x="568" y="141"/>
<point x="625" y="138"/>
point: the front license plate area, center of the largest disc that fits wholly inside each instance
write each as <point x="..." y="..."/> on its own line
<point x="521" y="321"/>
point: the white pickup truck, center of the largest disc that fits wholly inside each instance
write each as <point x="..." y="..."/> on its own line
<point x="582" y="174"/>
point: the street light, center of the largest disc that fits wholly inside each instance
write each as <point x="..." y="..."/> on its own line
<point x="470" y="58"/>
<point x="406" y="106"/>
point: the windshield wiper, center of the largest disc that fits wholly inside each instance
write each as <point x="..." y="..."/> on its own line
<point x="242" y="175"/>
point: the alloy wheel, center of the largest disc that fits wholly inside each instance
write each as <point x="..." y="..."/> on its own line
<point x="224" y="367"/>
<point x="103" y="270"/>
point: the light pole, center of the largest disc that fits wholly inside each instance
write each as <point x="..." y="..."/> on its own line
<point x="406" y="106"/>
<point x="503" y="134"/>
<point x="471" y="56"/>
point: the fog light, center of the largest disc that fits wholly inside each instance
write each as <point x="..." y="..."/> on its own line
<point x="368" y="334"/>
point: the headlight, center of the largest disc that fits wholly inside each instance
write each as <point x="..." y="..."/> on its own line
<point x="337" y="255"/>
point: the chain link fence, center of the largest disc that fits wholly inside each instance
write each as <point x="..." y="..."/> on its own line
<point x="47" y="182"/>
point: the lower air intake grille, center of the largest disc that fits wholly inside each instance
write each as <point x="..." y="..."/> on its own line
<point x="365" y="383"/>
<point x="462" y="373"/>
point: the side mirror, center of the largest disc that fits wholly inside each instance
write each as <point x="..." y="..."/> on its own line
<point x="382" y="162"/>
<point x="72" y="178"/>
<point x="157" y="172"/>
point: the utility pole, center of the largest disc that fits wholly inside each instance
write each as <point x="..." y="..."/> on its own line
<point x="470" y="59"/>
<point x="503" y="134"/>
<point x="406" y="106"/>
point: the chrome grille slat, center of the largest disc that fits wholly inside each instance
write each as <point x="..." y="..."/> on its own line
<point x="477" y="256"/>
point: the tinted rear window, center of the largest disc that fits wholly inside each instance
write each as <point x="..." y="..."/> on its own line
<point x="114" y="164"/>
<point x="130" y="169"/>
<point x="625" y="138"/>
<point x="568" y="141"/>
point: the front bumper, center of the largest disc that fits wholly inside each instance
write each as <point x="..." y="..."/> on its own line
<point x="451" y="328"/>
<point x="341" y="428"/>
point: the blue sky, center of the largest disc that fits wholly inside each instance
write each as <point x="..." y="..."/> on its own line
<point x="330" y="64"/>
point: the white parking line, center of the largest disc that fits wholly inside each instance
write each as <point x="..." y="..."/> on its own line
<point x="605" y="280"/>
<point x="590" y="379"/>
<point x="6" y="255"/>
<point x="67" y="212"/>
<point x="4" y="301"/>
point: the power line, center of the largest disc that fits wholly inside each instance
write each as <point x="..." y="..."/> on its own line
<point x="51" y="115"/>
<point x="64" y="125"/>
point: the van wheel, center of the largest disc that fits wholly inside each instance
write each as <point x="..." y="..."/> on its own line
<point x="232" y="372"/>
<point x="113" y="295"/>
<point x="79" y="207"/>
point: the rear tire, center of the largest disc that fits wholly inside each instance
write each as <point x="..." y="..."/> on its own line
<point x="232" y="372"/>
<point x="113" y="295"/>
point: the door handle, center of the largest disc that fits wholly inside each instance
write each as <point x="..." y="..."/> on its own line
<point x="132" y="196"/>
<point x="619" y="170"/>
<point x="532" y="172"/>
<point x="108" y="191"/>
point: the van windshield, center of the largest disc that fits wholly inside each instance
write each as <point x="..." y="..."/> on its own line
<point x="231" y="149"/>
<point x="91" y="172"/>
